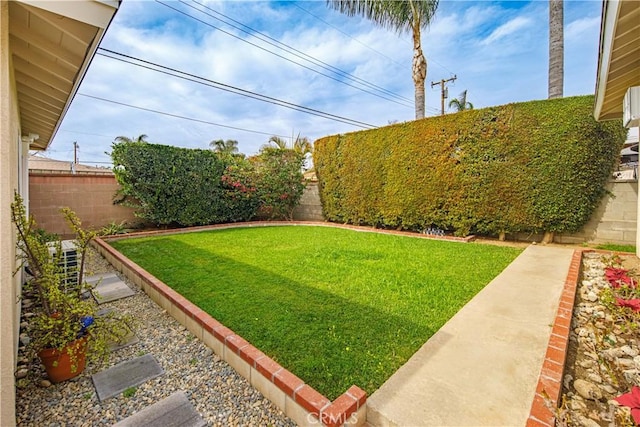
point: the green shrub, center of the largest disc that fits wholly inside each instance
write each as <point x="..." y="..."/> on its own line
<point x="168" y="185"/>
<point x="534" y="166"/>
<point x="279" y="181"/>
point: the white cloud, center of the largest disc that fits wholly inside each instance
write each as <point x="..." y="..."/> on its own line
<point x="497" y="50"/>
<point x="581" y="27"/>
<point x="513" y="26"/>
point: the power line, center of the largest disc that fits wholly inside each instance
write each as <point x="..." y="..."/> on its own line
<point x="290" y="49"/>
<point x="176" y="115"/>
<point x="228" y="88"/>
<point x="443" y="90"/>
<point x="281" y="56"/>
<point x="346" y="34"/>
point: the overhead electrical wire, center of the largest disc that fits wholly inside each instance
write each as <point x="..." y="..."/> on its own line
<point x="367" y="46"/>
<point x="164" y="113"/>
<point x="225" y="87"/>
<point x="346" y="34"/>
<point x="290" y="49"/>
<point x="283" y="57"/>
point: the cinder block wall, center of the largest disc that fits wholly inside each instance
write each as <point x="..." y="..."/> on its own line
<point x="615" y="219"/>
<point x="89" y="196"/>
<point x="309" y="208"/>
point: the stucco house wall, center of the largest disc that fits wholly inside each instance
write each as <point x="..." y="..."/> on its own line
<point x="11" y="152"/>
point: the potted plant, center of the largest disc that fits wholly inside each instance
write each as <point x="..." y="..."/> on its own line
<point x="64" y="327"/>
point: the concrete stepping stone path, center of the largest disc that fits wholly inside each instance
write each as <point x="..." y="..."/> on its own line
<point x="173" y="411"/>
<point x="108" y="287"/>
<point x="129" y="339"/>
<point x="131" y="373"/>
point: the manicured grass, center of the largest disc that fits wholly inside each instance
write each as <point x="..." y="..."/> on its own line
<point x="336" y="307"/>
<point x="617" y="247"/>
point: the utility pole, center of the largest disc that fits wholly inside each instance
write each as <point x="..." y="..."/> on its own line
<point x="75" y="152"/>
<point x="443" y="91"/>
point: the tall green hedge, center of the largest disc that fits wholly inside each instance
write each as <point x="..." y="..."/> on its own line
<point x="169" y="185"/>
<point x="533" y="166"/>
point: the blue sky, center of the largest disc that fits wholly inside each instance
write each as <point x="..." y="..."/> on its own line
<point x="498" y="50"/>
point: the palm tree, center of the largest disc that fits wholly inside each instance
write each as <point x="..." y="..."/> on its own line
<point x="401" y="16"/>
<point x="300" y="145"/>
<point x="279" y="143"/>
<point x="461" y="103"/>
<point x="230" y="146"/>
<point x="140" y="139"/>
<point x="556" y="48"/>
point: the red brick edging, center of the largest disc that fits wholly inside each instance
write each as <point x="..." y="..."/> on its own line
<point x="296" y="399"/>
<point x="549" y="388"/>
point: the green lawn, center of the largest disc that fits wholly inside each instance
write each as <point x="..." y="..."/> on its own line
<point x="617" y="247"/>
<point x="336" y="307"/>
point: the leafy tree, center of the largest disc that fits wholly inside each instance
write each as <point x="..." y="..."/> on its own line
<point x="279" y="181"/>
<point x="401" y="16"/>
<point x="230" y="146"/>
<point x="556" y="48"/>
<point x="461" y="103"/>
<point x="139" y="139"/>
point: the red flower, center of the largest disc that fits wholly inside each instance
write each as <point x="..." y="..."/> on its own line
<point x="632" y="400"/>
<point x="618" y="277"/>
<point x="631" y="303"/>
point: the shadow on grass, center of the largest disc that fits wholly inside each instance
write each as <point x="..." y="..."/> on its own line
<point x="327" y="340"/>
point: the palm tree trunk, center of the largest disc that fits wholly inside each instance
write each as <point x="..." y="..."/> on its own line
<point x="556" y="48"/>
<point x="419" y="71"/>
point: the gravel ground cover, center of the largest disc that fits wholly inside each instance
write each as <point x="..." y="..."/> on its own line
<point x="218" y="393"/>
<point x="603" y="361"/>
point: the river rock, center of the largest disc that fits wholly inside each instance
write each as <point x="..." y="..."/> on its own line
<point x="587" y="389"/>
<point x="632" y="352"/>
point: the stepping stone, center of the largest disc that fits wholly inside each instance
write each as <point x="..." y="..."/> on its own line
<point x="115" y="380"/>
<point x="127" y="340"/>
<point x="173" y="411"/>
<point x="110" y="288"/>
<point x="102" y="278"/>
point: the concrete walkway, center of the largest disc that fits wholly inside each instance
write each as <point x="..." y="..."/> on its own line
<point x="481" y="368"/>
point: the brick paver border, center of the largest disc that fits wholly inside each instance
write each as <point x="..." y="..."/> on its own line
<point x="297" y="400"/>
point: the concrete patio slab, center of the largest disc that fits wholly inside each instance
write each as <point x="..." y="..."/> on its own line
<point x="120" y="377"/>
<point x="173" y="411"/>
<point x="481" y="368"/>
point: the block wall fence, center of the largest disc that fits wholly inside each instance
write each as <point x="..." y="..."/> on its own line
<point x="89" y="196"/>
<point x="614" y="221"/>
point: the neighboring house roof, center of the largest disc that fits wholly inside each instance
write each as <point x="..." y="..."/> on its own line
<point x="619" y="56"/>
<point x="52" y="44"/>
<point x="44" y="165"/>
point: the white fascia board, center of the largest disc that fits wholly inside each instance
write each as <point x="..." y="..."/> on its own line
<point x="610" y="12"/>
<point x="93" y="12"/>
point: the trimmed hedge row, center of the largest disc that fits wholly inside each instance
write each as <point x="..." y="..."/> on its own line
<point x="533" y="166"/>
<point x="169" y="185"/>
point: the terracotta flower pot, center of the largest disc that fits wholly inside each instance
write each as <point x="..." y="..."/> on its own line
<point x="60" y="365"/>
